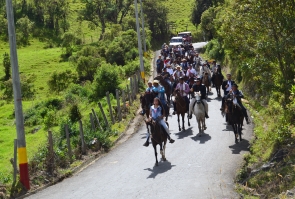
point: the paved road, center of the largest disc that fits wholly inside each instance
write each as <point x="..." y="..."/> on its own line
<point x="196" y="167"/>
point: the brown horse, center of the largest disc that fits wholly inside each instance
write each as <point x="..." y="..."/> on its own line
<point x="181" y="109"/>
<point x="235" y="117"/>
<point x="218" y="82"/>
<point x="206" y="82"/>
<point x="158" y="137"/>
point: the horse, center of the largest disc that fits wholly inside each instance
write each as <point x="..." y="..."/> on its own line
<point x="146" y="101"/>
<point x="199" y="112"/>
<point x="235" y="116"/>
<point x="158" y="137"/>
<point x="206" y="82"/>
<point x="166" y="85"/>
<point x="218" y="81"/>
<point x="181" y="109"/>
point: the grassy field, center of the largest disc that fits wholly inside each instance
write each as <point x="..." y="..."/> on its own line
<point x="180" y="14"/>
<point x="40" y="61"/>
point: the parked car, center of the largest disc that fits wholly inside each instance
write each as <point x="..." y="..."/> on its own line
<point x="175" y="41"/>
<point x="186" y="36"/>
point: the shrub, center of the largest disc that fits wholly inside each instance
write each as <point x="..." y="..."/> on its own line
<point x="107" y="79"/>
<point x="75" y="114"/>
<point x="7" y="66"/>
<point x="59" y="81"/>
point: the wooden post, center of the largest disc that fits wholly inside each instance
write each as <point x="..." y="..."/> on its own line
<point x="104" y="116"/>
<point x="131" y="87"/>
<point x="110" y="107"/>
<point x="68" y="143"/>
<point x="97" y="120"/>
<point x="124" y="99"/>
<point x="51" y="153"/>
<point x="92" y="122"/>
<point x="82" y="138"/>
<point x="134" y="87"/>
<point x="118" y="105"/>
<point x="129" y="96"/>
<point x="15" y="161"/>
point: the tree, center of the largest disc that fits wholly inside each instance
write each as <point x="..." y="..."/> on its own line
<point x="156" y="16"/>
<point x="100" y="12"/>
<point x="61" y="81"/>
<point x="24" y="27"/>
<point x="7" y="66"/>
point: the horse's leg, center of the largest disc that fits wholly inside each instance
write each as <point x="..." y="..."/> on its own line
<point x="182" y="115"/>
<point x="161" y="150"/>
<point x="155" y="148"/>
<point x="188" y="123"/>
<point x="199" y="126"/>
<point x="164" y="150"/>
<point x="178" y="121"/>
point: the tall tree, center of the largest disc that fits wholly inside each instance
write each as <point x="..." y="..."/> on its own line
<point x="100" y="12"/>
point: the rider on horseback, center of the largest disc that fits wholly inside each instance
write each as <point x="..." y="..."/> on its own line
<point x="235" y="93"/>
<point x="198" y="87"/>
<point x="226" y="86"/>
<point x="156" y="113"/>
<point x="148" y="90"/>
<point x="184" y="91"/>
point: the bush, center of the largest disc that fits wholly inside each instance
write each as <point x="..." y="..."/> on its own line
<point x="75" y="114"/>
<point x="60" y="81"/>
<point x="107" y="79"/>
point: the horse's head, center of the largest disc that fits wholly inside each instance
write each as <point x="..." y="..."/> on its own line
<point x="229" y="105"/>
<point x="198" y="97"/>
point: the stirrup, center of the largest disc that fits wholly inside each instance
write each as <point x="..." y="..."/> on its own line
<point x="146" y="143"/>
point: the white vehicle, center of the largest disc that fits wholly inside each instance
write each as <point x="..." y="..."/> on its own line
<point x="175" y="41"/>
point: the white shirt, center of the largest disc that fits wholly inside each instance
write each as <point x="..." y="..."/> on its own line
<point x="170" y="71"/>
<point x="229" y="86"/>
<point x="193" y="71"/>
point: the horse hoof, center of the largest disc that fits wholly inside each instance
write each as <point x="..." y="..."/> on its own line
<point x="156" y="164"/>
<point x="205" y="127"/>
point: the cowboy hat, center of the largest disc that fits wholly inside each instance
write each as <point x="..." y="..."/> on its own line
<point x="156" y="81"/>
<point x="235" y="85"/>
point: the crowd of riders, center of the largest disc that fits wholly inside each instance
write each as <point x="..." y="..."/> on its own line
<point x="184" y="70"/>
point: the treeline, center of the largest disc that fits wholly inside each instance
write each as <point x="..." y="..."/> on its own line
<point x="256" y="40"/>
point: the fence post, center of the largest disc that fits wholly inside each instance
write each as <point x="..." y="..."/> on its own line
<point x="110" y="107"/>
<point x="51" y="153"/>
<point x="92" y="122"/>
<point x="82" y="138"/>
<point x="104" y="116"/>
<point x="15" y="161"/>
<point x="134" y="87"/>
<point x="68" y="143"/>
<point x="124" y="99"/>
<point x="118" y="105"/>
<point x="96" y="118"/>
<point x="129" y="96"/>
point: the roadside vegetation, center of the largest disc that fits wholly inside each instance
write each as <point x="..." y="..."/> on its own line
<point x="69" y="56"/>
<point x="255" y="39"/>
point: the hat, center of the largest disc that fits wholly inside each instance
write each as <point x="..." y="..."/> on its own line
<point x="150" y="82"/>
<point x="178" y="66"/>
<point x="183" y="60"/>
<point x="228" y="74"/>
<point x="164" y="68"/>
<point x="235" y="85"/>
<point x="156" y="81"/>
<point x="197" y="80"/>
<point x="181" y="78"/>
<point x="167" y="58"/>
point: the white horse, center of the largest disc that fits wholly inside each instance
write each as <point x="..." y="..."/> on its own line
<point x="199" y="112"/>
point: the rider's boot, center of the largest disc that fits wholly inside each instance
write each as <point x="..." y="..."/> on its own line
<point x="147" y="142"/>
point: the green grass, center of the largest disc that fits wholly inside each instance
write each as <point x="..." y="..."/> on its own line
<point x="180" y="14"/>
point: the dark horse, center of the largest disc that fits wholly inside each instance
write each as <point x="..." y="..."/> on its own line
<point x="218" y="81"/>
<point x="235" y="117"/>
<point x="167" y="87"/>
<point x="181" y="109"/>
<point x="147" y="100"/>
<point x="158" y="137"/>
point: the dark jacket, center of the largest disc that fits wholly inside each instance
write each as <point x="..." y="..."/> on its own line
<point x="201" y="88"/>
<point x="238" y="94"/>
<point x="224" y="83"/>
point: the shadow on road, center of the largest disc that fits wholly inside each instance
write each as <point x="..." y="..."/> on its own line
<point x="240" y="146"/>
<point x="163" y="167"/>
<point x="228" y="128"/>
<point x="204" y="138"/>
<point x="186" y="133"/>
<point x="218" y="99"/>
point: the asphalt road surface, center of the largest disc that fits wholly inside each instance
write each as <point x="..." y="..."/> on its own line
<point x="196" y="167"/>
